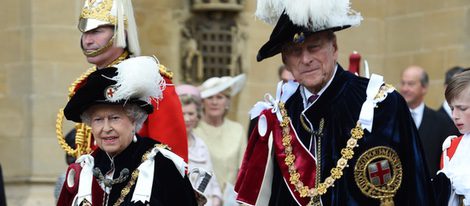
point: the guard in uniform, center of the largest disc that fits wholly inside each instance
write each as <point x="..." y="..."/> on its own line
<point x="330" y="137"/>
<point x="166" y="124"/>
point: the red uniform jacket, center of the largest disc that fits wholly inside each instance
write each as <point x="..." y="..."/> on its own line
<point x="166" y="123"/>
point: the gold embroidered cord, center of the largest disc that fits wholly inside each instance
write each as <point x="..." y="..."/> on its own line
<point x="315" y="201"/>
<point x="304" y="125"/>
<point x="336" y="173"/>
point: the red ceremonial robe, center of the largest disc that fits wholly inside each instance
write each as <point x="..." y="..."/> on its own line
<point x="259" y="170"/>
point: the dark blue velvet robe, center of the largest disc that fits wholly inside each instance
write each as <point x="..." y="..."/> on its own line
<point x="340" y="106"/>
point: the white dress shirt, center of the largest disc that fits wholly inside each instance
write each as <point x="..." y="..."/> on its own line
<point x="417" y="114"/>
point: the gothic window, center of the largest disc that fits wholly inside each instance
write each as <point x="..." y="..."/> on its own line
<point x="211" y="46"/>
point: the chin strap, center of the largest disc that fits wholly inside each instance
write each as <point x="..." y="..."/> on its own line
<point x="98" y="51"/>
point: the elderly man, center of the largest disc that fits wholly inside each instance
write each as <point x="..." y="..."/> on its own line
<point x="333" y="138"/>
<point x="106" y="41"/>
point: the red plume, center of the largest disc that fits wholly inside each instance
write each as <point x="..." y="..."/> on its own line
<point x="354" y="62"/>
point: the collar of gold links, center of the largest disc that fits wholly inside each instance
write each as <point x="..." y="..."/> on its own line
<point x="347" y="153"/>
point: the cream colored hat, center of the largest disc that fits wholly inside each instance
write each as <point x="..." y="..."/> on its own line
<point x="228" y="85"/>
<point x="118" y="13"/>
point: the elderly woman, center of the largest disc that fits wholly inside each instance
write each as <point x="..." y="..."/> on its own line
<point x="225" y="139"/>
<point x="125" y="169"/>
<point x="199" y="160"/>
<point x="455" y="164"/>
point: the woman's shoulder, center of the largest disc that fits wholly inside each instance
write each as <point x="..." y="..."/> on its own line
<point x="163" y="156"/>
<point x="199" y="143"/>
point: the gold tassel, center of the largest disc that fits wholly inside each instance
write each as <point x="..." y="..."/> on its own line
<point x="387" y="202"/>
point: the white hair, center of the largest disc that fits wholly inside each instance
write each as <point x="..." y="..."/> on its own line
<point x="134" y="112"/>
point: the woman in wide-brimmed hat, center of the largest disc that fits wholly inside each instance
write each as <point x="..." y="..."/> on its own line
<point x="225" y="138"/>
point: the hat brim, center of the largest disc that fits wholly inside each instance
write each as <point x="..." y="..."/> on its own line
<point x="235" y="84"/>
<point x="73" y="111"/>
<point x="85" y="25"/>
<point x="284" y="32"/>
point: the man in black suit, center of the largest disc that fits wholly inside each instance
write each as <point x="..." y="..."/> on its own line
<point x="432" y="126"/>
<point x="445" y="108"/>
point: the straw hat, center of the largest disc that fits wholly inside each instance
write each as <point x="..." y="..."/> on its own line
<point x="228" y="85"/>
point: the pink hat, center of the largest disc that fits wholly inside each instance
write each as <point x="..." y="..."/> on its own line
<point x="186" y="89"/>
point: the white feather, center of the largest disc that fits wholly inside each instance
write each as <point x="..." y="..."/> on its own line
<point x="119" y="29"/>
<point x="313" y="14"/>
<point x="269" y="10"/>
<point x="132" y="35"/>
<point x="138" y="77"/>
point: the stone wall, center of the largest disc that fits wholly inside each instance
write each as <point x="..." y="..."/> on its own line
<point x="40" y="57"/>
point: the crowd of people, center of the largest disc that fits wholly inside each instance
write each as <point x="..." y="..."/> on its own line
<point x="328" y="136"/>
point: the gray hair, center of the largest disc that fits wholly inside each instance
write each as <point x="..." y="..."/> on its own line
<point x="424" y="79"/>
<point x="134" y="112"/>
<point x="187" y="99"/>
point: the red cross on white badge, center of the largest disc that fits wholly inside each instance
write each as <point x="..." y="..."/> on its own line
<point x="379" y="172"/>
<point x="109" y="92"/>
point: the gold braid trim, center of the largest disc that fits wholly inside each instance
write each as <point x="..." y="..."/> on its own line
<point x="347" y="153"/>
<point x="79" y="80"/>
<point x="83" y="136"/>
<point x="166" y="72"/>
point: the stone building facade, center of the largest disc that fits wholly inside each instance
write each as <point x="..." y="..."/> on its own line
<point x="40" y="57"/>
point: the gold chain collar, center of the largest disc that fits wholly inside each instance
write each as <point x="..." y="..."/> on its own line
<point x="347" y="153"/>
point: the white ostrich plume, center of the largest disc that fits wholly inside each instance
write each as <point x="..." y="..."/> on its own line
<point x="313" y="14"/>
<point x="138" y="78"/>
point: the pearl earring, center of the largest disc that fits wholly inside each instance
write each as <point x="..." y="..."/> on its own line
<point x="134" y="139"/>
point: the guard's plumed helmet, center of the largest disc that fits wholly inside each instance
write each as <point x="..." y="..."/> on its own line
<point x="296" y="19"/>
<point x="117" y="13"/>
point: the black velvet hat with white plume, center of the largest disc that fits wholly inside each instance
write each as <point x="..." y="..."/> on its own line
<point x="133" y="81"/>
<point x="296" y="19"/>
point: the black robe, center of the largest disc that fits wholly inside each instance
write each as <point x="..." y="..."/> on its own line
<point x="340" y="106"/>
<point x="169" y="187"/>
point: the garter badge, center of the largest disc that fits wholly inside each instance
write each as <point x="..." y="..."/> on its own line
<point x="378" y="174"/>
<point x="109" y="91"/>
